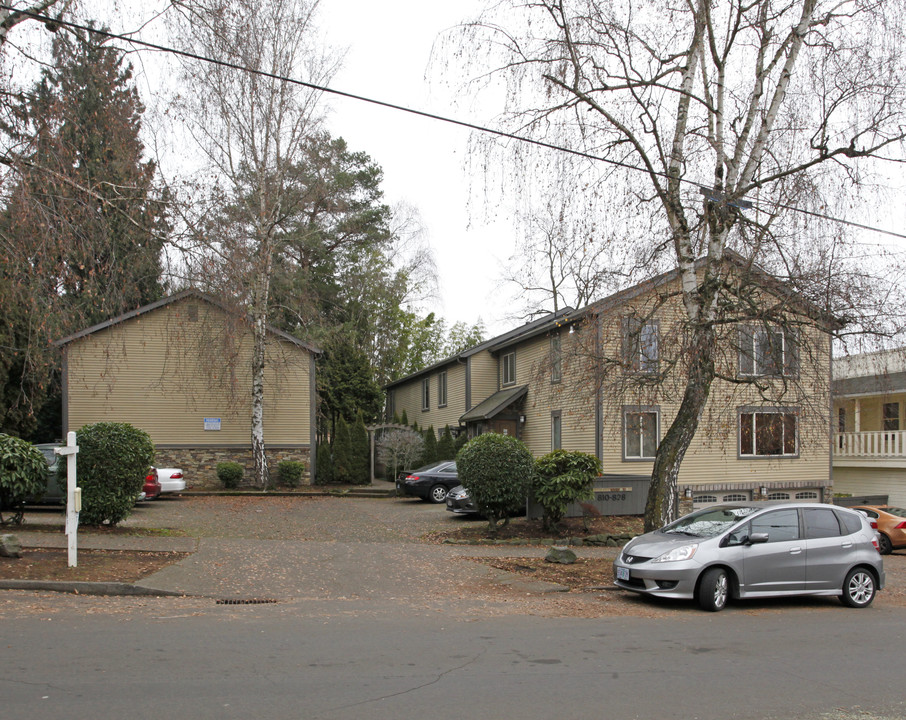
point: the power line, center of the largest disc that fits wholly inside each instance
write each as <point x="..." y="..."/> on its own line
<point x="421" y="113"/>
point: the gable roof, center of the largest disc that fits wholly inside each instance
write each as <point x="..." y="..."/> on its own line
<point x="183" y="295"/>
<point x="491" y="345"/>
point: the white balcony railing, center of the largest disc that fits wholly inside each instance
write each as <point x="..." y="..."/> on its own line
<point x="880" y="443"/>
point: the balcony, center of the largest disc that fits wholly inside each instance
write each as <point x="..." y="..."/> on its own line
<point x="870" y="446"/>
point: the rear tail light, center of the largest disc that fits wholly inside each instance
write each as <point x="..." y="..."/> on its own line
<point x="901" y="526"/>
<point x="411" y="478"/>
<point x="176" y="476"/>
<point x="874" y="524"/>
<point x="150" y="477"/>
<point x="874" y="541"/>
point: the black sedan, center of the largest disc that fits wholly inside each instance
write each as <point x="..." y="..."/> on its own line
<point x="460" y="502"/>
<point x="431" y="482"/>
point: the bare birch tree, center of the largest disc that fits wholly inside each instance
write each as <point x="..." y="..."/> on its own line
<point x="252" y="129"/>
<point x="716" y="117"/>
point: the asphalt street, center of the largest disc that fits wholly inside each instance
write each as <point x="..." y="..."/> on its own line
<point x="364" y="619"/>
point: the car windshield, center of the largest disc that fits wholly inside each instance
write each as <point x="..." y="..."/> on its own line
<point x="708" y="522"/>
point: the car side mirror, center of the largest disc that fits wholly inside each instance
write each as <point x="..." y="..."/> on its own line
<point x="755" y="538"/>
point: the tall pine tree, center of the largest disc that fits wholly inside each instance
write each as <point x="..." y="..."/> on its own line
<point x="83" y="225"/>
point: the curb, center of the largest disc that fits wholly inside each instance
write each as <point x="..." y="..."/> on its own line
<point x="88" y="588"/>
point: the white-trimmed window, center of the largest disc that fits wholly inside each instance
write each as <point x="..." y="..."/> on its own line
<point x="640" y="432"/>
<point x="640" y="345"/>
<point x="426" y="394"/>
<point x="442" y="389"/>
<point x="508" y="362"/>
<point x="768" y="433"/>
<point x="768" y="352"/>
<point x="556" y="359"/>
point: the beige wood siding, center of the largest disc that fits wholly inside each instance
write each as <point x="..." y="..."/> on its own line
<point x="483" y="370"/>
<point x="408" y="397"/>
<point x="713" y="456"/>
<point x="863" y="480"/>
<point x="870" y="411"/>
<point x="165" y="373"/>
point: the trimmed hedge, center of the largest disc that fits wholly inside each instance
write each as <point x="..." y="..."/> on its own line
<point x="290" y="472"/>
<point x="112" y="463"/>
<point x="230" y="474"/>
<point x="496" y="470"/>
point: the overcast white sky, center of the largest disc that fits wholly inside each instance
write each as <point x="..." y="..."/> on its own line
<point x="389" y="46"/>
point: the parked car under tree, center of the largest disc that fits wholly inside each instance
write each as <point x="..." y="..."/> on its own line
<point x="752" y="551"/>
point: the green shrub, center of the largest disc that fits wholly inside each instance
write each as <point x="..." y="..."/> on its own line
<point x="496" y="470"/>
<point x="230" y="474"/>
<point x="563" y="477"/>
<point x="341" y="451"/>
<point x="111" y="466"/>
<point x="290" y="472"/>
<point x="23" y="473"/>
<point x="445" y="447"/>
<point x="359" y="447"/>
<point x="429" y="455"/>
<point x="324" y="469"/>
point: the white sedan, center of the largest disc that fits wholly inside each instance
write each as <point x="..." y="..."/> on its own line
<point x="171" y="480"/>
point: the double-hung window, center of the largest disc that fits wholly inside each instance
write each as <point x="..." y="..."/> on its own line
<point x="509" y="368"/>
<point x="768" y="433"/>
<point x="442" y="389"/>
<point x="768" y="351"/>
<point x="640" y="345"/>
<point x="640" y="433"/>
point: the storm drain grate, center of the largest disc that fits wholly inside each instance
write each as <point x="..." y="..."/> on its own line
<point x="246" y="601"/>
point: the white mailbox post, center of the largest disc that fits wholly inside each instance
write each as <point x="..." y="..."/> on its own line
<point x="73" y="495"/>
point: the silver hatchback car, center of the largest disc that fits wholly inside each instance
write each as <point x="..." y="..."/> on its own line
<point x="756" y="550"/>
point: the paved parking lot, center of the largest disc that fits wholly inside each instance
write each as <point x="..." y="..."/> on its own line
<point x="327" y="548"/>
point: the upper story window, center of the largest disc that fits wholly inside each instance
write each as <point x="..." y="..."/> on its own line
<point x="426" y="394"/>
<point x="892" y="416"/>
<point x="442" y="389"/>
<point x="768" y="351"/>
<point x="556" y="359"/>
<point x="509" y="368"/>
<point x="768" y="433"/>
<point x="640" y="345"/>
<point x="556" y="429"/>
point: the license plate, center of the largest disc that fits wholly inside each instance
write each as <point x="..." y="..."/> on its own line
<point x="622" y="573"/>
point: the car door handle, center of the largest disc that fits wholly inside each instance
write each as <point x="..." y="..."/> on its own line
<point x="795" y="550"/>
<point x="847" y="545"/>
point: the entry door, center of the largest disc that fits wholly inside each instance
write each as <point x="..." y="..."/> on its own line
<point x="504" y="427"/>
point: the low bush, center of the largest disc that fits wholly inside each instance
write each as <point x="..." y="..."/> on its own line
<point x="290" y="472"/>
<point x="23" y="473"/>
<point x="496" y="470"/>
<point x="563" y="477"/>
<point x="111" y="466"/>
<point x="230" y="474"/>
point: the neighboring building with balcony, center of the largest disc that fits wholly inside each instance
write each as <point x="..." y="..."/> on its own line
<point x="869" y="448"/>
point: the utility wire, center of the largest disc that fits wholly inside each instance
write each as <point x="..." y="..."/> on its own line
<point x="420" y="113"/>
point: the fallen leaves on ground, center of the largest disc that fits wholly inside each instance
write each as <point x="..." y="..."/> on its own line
<point x="92" y="565"/>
